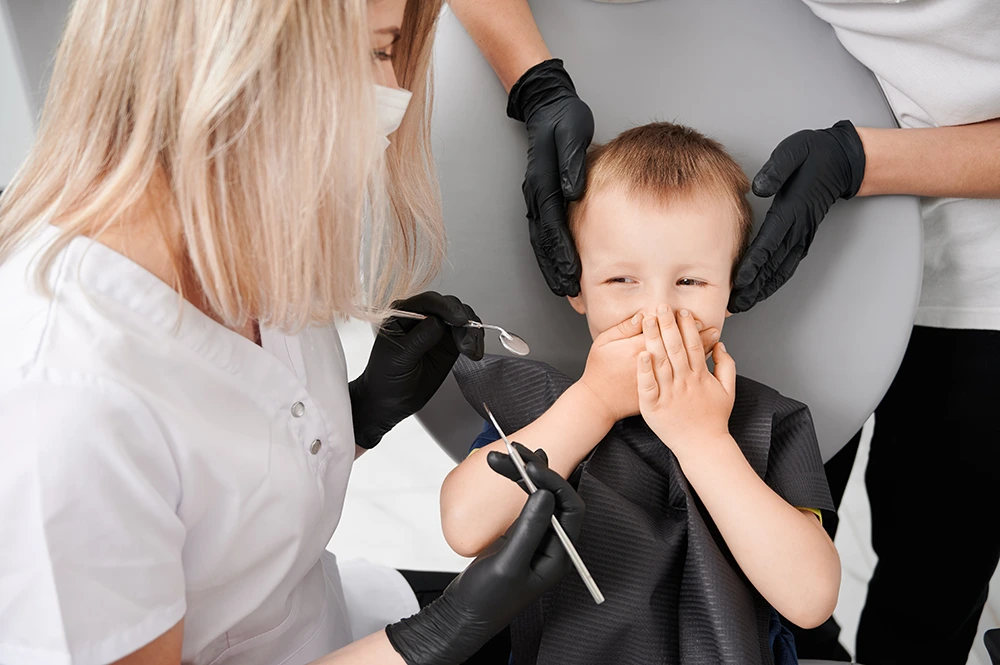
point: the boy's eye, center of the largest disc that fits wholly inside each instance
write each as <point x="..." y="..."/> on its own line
<point x="621" y="280"/>
<point x="383" y="54"/>
<point x="689" y="281"/>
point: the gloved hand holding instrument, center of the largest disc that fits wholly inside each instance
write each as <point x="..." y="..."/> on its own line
<point x="805" y="174"/>
<point x="409" y="362"/>
<point x="518" y="568"/>
<point x="560" y="127"/>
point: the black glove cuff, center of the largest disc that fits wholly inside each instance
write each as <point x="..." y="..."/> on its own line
<point x="854" y="150"/>
<point x="536" y="87"/>
<point x="440" y="634"/>
<point x="364" y="436"/>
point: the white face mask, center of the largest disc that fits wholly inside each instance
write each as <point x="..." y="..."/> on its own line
<point x="391" y="105"/>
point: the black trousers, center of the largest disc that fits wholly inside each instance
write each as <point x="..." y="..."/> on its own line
<point x="428" y="586"/>
<point x="933" y="480"/>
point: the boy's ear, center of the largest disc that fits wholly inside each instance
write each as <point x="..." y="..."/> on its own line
<point x="577" y="303"/>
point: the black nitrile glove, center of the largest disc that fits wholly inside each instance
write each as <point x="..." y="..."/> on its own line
<point x="992" y="640"/>
<point x="409" y="362"/>
<point x="519" y="567"/>
<point x="806" y="174"/>
<point x="560" y="127"/>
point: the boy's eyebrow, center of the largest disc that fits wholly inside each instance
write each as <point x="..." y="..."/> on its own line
<point x="610" y="263"/>
<point x="695" y="265"/>
<point x="613" y="264"/>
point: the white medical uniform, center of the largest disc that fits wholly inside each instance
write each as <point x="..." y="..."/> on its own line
<point x="149" y="474"/>
<point x="938" y="62"/>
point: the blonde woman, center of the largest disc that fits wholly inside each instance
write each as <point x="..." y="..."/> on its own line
<point x="178" y="429"/>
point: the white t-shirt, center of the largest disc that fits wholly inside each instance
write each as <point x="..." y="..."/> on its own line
<point x="149" y="473"/>
<point x="938" y="62"/>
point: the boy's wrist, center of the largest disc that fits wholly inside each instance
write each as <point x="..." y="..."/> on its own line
<point x="589" y="406"/>
<point x="704" y="460"/>
<point x="703" y="451"/>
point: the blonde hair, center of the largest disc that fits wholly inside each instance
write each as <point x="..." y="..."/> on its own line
<point x="259" y="117"/>
<point x="663" y="160"/>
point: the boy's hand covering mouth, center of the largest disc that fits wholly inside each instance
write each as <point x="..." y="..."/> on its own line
<point x="610" y="371"/>
<point x="681" y="401"/>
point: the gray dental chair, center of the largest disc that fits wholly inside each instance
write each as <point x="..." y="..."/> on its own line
<point x="747" y="74"/>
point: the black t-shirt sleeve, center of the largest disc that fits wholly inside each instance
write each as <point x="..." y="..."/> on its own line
<point x="794" y="465"/>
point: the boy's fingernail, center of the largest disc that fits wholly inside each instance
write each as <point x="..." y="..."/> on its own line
<point x="698" y="324"/>
<point x="662" y="309"/>
<point x="715" y="335"/>
<point x="635" y="319"/>
<point x="684" y="312"/>
<point x="722" y="347"/>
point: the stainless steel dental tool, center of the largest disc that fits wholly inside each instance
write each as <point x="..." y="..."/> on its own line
<point x="574" y="556"/>
<point x="510" y="341"/>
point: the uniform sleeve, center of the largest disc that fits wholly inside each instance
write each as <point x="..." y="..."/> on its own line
<point x="794" y="466"/>
<point x="90" y="569"/>
<point x="486" y="437"/>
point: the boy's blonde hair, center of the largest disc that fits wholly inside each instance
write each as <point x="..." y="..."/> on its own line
<point x="259" y="118"/>
<point x="664" y="161"/>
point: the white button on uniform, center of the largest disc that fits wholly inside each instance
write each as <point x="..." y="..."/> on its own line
<point x="298" y="409"/>
<point x="316" y="445"/>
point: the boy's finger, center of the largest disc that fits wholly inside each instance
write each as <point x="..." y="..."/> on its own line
<point x="672" y="340"/>
<point x="627" y="328"/>
<point x="655" y="349"/>
<point x="725" y="369"/>
<point x="708" y="339"/>
<point x="649" y="390"/>
<point x="692" y="341"/>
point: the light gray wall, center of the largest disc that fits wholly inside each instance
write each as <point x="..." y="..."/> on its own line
<point x="38" y="25"/>
<point x="16" y="113"/>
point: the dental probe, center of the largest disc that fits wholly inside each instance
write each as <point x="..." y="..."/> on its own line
<point x="574" y="556"/>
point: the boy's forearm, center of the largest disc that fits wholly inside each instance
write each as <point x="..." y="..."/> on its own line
<point x="506" y="34"/>
<point x="785" y="554"/>
<point x="478" y="505"/>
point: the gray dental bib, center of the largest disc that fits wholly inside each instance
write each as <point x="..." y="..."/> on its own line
<point x="674" y="594"/>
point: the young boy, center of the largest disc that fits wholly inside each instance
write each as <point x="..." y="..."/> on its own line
<point x="703" y="514"/>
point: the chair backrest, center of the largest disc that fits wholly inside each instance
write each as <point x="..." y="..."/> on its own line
<point x="746" y="73"/>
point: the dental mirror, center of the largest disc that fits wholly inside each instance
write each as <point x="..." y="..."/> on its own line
<point x="510" y="341"/>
